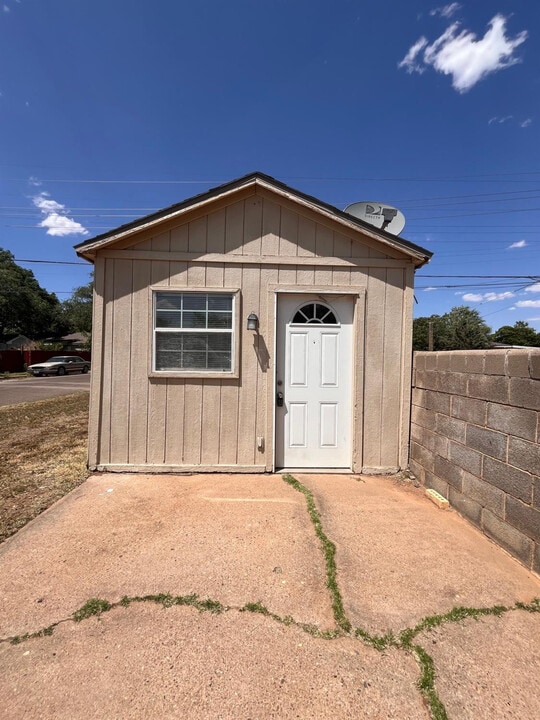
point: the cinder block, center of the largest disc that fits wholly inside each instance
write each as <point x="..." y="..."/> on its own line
<point x="495" y="362"/>
<point x="525" y="393"/>
<point x="443" y="361"/>
<point x="534" y="364"/>
<point x="430" y="379"/>
<point x="431" y="361"/>
<point x="469" y="409"/>
<point x="418" y="471"/>
<point x="422" y="456"/>
<point x="450" y="427"/>
<point x="536" y="494"/>
<point x="419" y="360"/>
<point x="524" y="455"/>
<point x="465" y="506"/>
<point x="484" y="494"/>
<point x="488" y="387"/>
<point x="458" y="361"/>
<point x="432" y="481"/>
<point x="448" y="471"/>
<point x="517" y="363"/>
<point x="511" y="539"/>
<point x="453" y="383"/>
<point x="439" y="402"/>
<point x="437" y="444"/>
<point x="423" y="417"/>
<point x="474" y="362"/>
<point x="486" y="441"/>
<point x="515" y="482"/>
<point x="418" y="397"/>
<point x="523" y="517"/>
<point x="512" y="420"/>
<point x="465" y="458"/>
<point x="536" y="562"/>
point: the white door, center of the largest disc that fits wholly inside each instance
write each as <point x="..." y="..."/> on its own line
<point x="314" y="381"/>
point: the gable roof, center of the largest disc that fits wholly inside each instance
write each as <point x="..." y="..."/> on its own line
<point x="88" y="248"/>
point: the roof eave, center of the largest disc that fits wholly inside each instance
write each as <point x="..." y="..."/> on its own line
<point x="89" y="248"/>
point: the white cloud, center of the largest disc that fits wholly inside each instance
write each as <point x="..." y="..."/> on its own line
<point x="430" y="289"/>
<point x="446" y="11"/>
<point x="61" y="225"/>
<point x="533" y="319"/>
<point x="518" y="244"/>
<point x="487" y="297"/>
<point x="528" y="303"/>
<point x="500" y="120"/>
<point x="56" y="220"/>
<point x="42" y="202"/>
<point x="526" y="123"/>
<point x="533" y="288"/>
<point x="409" y="61"/>
<point x="35" y="182"/>
<point x="462" y="56"/>
<point x="6" y="9"/>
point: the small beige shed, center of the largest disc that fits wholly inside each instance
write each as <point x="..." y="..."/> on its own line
<point x="248" y="329"/>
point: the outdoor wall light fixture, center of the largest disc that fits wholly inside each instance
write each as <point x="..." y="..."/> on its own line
<point x="252" y="322"/>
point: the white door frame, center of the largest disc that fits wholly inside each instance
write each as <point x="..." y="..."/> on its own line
<point x="358" y="295"/>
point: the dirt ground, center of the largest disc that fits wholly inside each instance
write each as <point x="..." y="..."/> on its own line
<point x="42" y="456"/>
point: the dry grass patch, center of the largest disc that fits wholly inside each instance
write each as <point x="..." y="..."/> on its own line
<point x="42" y="456"/>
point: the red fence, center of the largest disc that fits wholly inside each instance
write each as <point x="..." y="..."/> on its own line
<point x="18" y="360"/>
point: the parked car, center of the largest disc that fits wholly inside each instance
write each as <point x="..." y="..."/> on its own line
<point x="60" y="365"/>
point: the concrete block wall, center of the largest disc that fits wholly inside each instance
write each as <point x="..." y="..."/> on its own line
<point x="475" y="434"/>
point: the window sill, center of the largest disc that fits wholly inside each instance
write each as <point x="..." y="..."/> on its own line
<point x="194" y="375"/>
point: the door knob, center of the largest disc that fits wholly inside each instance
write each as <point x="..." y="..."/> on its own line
<point x="279" y="399"/>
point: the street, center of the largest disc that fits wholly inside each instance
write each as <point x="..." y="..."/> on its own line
<point x="29" y="389"/>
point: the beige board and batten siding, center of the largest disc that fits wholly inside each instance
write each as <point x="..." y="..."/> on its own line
<point x="172" y="423"/>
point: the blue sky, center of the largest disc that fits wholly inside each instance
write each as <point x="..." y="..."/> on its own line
<point x="110" y="110"/>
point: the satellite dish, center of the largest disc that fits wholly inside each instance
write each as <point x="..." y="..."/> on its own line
<point x="382" y="216"/>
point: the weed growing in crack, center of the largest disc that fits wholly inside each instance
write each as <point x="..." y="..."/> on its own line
<point x="426" y="683"/>
<point x="329" y="552"/>
<point x="94" y="606"/>
<point x="457" y="614"/>
<point x="379" y="642"/>
<point x="532" y="607"/>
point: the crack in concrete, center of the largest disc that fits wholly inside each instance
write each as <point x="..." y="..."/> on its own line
<point x="95" y="607"/>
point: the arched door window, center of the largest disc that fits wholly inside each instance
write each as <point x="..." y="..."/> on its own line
<point x="314" y="313"/>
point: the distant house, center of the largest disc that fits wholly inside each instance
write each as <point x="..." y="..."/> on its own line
<point x="251" y="328"/>
<point x="74" y="341"/>
<point x="19" y="342"/>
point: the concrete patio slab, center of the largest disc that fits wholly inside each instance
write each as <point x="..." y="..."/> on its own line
<point x="488" y="668"/>
<point x="233" y="538"/>
<point x="241" y="539"/>
<point x="147" y="662"/>
<point x="400" y="558"/>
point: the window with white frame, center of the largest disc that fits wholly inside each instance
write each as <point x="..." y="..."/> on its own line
<point x="193" y="331"/>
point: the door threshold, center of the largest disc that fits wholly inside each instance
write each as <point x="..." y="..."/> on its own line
<point x="319" y="471"/>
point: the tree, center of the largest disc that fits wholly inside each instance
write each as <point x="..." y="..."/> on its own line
<point x="466" y="330"/>
<point x="25" y="307"/>
<point x="421" y="332"/>
<point x="77" y="311"/>
<point x="521" y="333"/>
<point x="459" y="329"/>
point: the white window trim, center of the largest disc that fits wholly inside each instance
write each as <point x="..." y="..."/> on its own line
<point x="206" y="374"/>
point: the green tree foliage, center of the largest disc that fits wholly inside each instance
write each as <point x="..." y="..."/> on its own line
<point x="459" y="329"/>
<point x="25" y="307"/>
<point x="78" y="309"/>
<point x="521" y="333"/>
